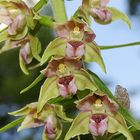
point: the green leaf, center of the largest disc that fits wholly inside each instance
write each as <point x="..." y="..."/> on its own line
<point x="49" y="90"/>
<point x="56" y="47"/>
<point x="35" y="47"/>
<point x="61" y="114"/>
<point x="44" y="20"/>
<point x="84" y="81"/>
<point x="12" y="124"/>
<point x="37" y="80"/>
<point x="129" y="117"/>
<point x="114" y="126"/>
<point x="59" y="11"/>
<point x="92" y="54"/>
<point x="39" y="5"/>
<point x="122" y="110"/>
<point x="23" y="65"/>
<point x="116" y="14"/>
<point x="79" y="125"/>
<point x="3" y="35"/>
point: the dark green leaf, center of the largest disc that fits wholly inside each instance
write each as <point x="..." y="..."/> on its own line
<point x="12" y="124"/>
<point x="38" y="79"/>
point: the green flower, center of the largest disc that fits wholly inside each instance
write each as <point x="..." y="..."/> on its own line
<point x="98" y="116"/>
<point x="51" y="117"/>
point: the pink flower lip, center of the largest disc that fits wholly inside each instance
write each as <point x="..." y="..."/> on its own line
<point x="98" y="124"/>
<point x="75" y="49"/>
<point x="67" y="86"/>
<point x="65" y="80"/>
<point x="98" y="117"/>
<point x="51" y="128"/>
<point x="102" y="13"/>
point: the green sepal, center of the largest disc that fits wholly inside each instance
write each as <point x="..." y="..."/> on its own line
<point x="115" y="126"/>
<point x="61" y="114"/>
<point x="35" y="47"/>
<point x="83" y="80"/>
<point x="25" y="110"/>
<point x="92" y="54"/>
<point x="12" y="124"/>
<point x="36" y="81"/>
<point x="29" y="122"/>
<point x="49" y="90"/>
<point x="101" y="86"/>
<point x="56" y="47"/>
<point x="116" y="15"/>
<point x="23" y="65"/>
<point x="79" y="125"/>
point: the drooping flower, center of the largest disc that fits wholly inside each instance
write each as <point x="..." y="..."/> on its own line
<point x="61" y="66"/>
<point x="98" y="115"/>
<point x="75" y="40"/>
<point x="77" y="34"/>
<point x="50" y="117"/>
<point x="65" y="76"/>
<point x="100" y="12"/>
<point x="15" y="15"/>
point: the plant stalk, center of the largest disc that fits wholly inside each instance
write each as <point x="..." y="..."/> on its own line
<point x="119" y="46"/>
<point x="59" y="11"/>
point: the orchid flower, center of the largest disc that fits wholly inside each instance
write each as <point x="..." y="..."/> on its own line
<point x="77" y="34"/>
<point x="100" y="12"/>
<point x="75" y="40"/>
<point x="50" y="117"/>
<point x="98" y="116"/>
<point x="65" y="76"/>
<point x="15" y="15"/>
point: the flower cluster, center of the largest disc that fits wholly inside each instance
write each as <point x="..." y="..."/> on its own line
<point x="67" y="81"/>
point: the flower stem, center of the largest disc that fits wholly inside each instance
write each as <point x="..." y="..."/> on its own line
<point x="59" y="10"/>
<point x="119" y="46"/>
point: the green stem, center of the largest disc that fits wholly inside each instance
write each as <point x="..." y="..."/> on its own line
<point x="119" y="46"/>
<point x="39" y="5"/>
<point x="59" y="10"/>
